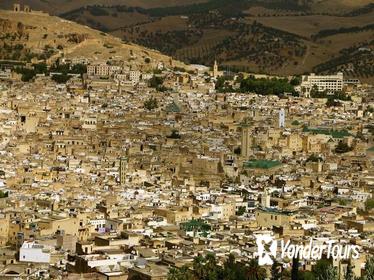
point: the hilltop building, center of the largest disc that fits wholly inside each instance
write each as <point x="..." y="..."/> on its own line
<point x="18" y="8"/>
<point x="331" y="83"/>
<point x="215" y="69"/>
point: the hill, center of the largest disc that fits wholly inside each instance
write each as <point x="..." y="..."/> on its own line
<point x="270" y="36"/>
<point x="57" y="7"/>
<point x="38" y="36"/>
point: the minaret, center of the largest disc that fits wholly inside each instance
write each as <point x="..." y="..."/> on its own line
<point x="281" y="118"/>
<point x="178" y="198"/>
<point x="246" y="142"/>
<point x="265" y="199"/>
<point x="215" y="69"/>
<point x="122" y="170"/>
<point x="16" y="7"/>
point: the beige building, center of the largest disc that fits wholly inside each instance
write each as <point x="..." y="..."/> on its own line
<point x="269" y="218"/>
<point x="175" y="215"/>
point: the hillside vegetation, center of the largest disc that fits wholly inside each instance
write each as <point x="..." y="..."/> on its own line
<point x="40" y="37"/>
<point x="268" y="36"/>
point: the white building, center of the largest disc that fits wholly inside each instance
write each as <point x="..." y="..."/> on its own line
<point x="330" y="83"/>
<point x="134" y="76"/>
<point x="89" y="122"/>
<point x="5" y="74"/>
<point x="281" y="118"/>
<point x="102" y="70"/>
<point x="147" y="76"/>
<point x="33" y="252"/>
<point x="265" y="199"/>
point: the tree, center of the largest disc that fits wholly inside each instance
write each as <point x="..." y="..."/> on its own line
<point x="61" y="79"/>
<point x="325" y="271"/>
<point x="222" y="84"/>
<point x="211" y="267"/>
<point x="40" y="68"/>
<point x="342" y="148"/>
<point x="330" y="274"/>
<point x="369" y="269"/>
<point x="369" y="204"/>
<point x="254" y="271"/>
<point x="314" y="158"/>
<point x="27" y="74"/>
<point x="306" y="275"/>
<point x="174" y="274"/>
<point x="182" y="273"/>
<point x="314" y="91"/>
<point x="286" y="275"/>
<point x="266" y="86"/>
<point x="151" y="104"/>
<point x="156" y="82"/>
<point x="238" y="150"/>
<point x="78" y="69"/>
<point x="296" y="81"/>
<point x="233" y="270"/>
<point x="349" y="275"/>
<point x="228" y="268"/>
<point x="295" y="269"/>
<point x="276" y="273"/>
<point x="331" y="102"/>
<point x="240" y="211"/>
<point x="174" y="134"/>
<point x="207" y="268"/>
<point x="3" y="194"/>
<point x="198" y="267"/>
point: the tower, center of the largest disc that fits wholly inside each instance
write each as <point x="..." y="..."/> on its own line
<point x="178" y="198"/>
<point x="122" y="170"/>
<point x="246" y="142"/>
<point x="265" y="199"/>
<point x="215" y="69"/>
<point x="281" y="118"/>
<point x="16" y="7"/>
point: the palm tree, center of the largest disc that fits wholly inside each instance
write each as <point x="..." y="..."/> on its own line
<point x="329" y="273"/>
<point x="276" y="273"/>
<point x="349" y="275"/>
<point x="233" y="270"/>
<point x="254" y="271"/>
<point x="369" y="269"/>
<point x="198" y="267"/>
<point x="182" y="273"/>
<point x="295" y="269"/>
<point x="173" y="274"/>
<point x="211" y="267"/>
<point x="332" y="273"/>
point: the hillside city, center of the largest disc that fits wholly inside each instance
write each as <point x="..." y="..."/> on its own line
<point x="147" y="168"/>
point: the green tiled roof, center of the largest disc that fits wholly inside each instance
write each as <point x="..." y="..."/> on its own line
<point x="334" y="133"/>
<point x="261" y="164"/>
<point x="173" y="108"/>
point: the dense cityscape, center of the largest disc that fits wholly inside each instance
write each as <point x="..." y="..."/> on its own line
<point x="148" y="168"/>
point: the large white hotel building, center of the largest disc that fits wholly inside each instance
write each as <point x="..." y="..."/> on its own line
<point x="330" y="83"/>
